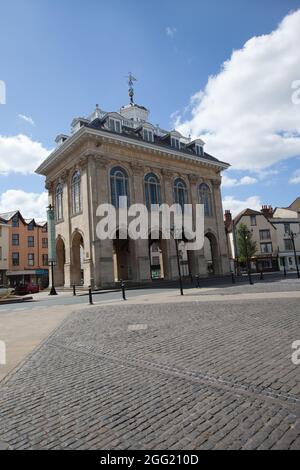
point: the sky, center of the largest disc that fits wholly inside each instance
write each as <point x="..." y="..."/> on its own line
<point x="227" y="71"/>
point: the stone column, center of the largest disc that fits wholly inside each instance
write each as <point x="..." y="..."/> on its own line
<point x="102" y="250"/>
<point x="140" y="261"/>
<point x="195" y="256"/>
<point x="224" y="266"/>
<point x="170" y="259"/>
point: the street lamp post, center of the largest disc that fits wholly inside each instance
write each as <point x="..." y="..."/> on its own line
<point x="51" y="246"/>
<point x="178" y="260"/>
<point x="292" y="236"/>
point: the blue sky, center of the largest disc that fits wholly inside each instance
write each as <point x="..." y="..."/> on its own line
<point x="60" y="58"/>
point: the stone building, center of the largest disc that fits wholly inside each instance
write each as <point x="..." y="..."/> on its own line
<point x="23" y="250"/>
<point x="110" y="154"/>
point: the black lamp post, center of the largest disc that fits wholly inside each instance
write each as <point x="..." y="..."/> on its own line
<point x="51" y="244"/>
<point x="178" y="260"/>
<point x="292" y="237"/>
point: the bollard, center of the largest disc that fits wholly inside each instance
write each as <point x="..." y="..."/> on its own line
<point x="284" y="271"/>
<point x="123" y="289"/>
<point x="90" y="296"/>
<point x="198" y="280"/>
<point x="74" y="289"/>
<point x="261" y="275"/>
<point x="232" y="278"/>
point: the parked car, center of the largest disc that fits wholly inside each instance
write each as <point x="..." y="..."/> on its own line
<point x="28" y="288"/>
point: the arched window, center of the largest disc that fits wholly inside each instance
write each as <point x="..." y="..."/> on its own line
<point x="76" y="192"/>
<point x="180" y="192"/>
<point x="59" y="201"/>
<point x="152" y="189"/>
<point x="119" y="185"/>
<point x="205" y="199"/>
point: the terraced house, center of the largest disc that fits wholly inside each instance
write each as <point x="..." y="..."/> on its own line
<point x="112" y="154"/>
<point x="24" y="250"/>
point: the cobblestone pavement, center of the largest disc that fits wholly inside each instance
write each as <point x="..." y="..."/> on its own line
<point x="209" y="375"/>
<point x="280" y="285"/>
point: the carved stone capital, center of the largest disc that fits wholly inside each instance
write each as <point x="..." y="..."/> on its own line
<point x="49" y="185"/>
<point x="137" y="168"/>
<point x="167" y="173"/>
<point x="216" y="183"/>
<point x="193" y="179"/>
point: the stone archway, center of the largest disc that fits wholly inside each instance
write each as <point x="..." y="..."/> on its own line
<point x="77" y="254"/>
<point x="60" y="262"/>
<point x="211" y="254"/>
<point x="157" y="256"/>
<point x="122" y="258"/>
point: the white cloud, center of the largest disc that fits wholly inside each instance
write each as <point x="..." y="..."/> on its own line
<point x="171" y="31"/>
<point x="245" y="113"/>
<point x="31" y="205"/>
<point x="27" y="119"/>
<point x="228" y="182"/>
<point x="295" y="179"/>
<point x="236" y="206"/>
<point x="20" y="154"/>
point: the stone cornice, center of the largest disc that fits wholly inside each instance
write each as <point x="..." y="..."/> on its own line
<point x="122" y="140"/>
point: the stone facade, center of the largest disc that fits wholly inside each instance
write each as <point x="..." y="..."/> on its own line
<point x="94" y="152"/>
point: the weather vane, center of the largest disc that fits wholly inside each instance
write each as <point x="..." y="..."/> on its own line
<point x="131" y="79"/>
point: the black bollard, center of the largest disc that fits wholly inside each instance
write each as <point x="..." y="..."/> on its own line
<point x="123" y="289"/>
<point x="90" y="296"/>
<point x="232" y="278"/>
<point x="198" y="280"/>
<point x="74" y="289"/>
<point x="261" y="275"/>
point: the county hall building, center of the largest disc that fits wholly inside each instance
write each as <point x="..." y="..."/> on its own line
<point x="112" y="154"/>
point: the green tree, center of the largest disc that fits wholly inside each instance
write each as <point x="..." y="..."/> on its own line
<point x="246" y="246"/>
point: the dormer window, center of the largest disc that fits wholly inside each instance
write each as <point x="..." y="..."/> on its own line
<point x="114" y="125"/>
<point x="175" y="143"/>
<point x="148" y="135"/>
<point x="199" y="150"/>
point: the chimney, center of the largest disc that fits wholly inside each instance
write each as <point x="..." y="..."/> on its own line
<point x="227" y="218"/>
<point x="267" y="211"/>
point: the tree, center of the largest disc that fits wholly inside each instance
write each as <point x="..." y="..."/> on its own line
<point x="246" y="246"/>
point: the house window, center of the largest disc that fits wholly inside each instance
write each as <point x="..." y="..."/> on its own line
<point x="288" y="244"/>
<point x="30" y="242"/>
<point x="148" y="135"/>
<point x="30" y="226"/>
<point x="266" y="247"/>
<point x="205" y="199"/>
<point x="15" y="239"/>
<point x="119" y="185"/>
<point x="199" y="150"/>
<point x="44" y="242"/>
<point x="76" y="192"/>
<point x="175" y="143"/>
<point x="59" y="202"/>
<point x="264" y="234"/>
<point x="114" y="125"/>
<point x="180" y="192"/>
<point x="287" y="228"/>
<point x="152" y="190"/>
<point x="253" y="219"/>
<point x="45" y="260"/>
<point x="15" y="221"/>
<point x="30" y="259"/>
<point x="15" y="259"/>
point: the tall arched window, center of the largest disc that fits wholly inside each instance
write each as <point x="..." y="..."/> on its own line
<point x="59" y="201"/>
<point x="76" y="192"/>
<point x="152" y="189"/>
<point x="205" y="199"/>
<point x="180" y="192"/>
<point x="119" y="185"/>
